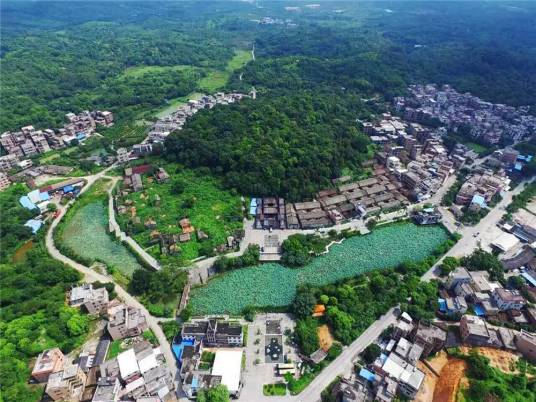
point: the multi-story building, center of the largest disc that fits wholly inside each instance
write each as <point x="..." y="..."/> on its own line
<point x="526" y="344"/>
<point x="48" y="362"/>
<point x="66" y="385"/>
<point x="94" y="300"/>
<point x="125" y="322"/>
<point x="122" y="155"/>
<point x="4" y="181"/>
<point x="475" y="331"/>
<point x="8" y="162"/>
<point x="430" y="337"/>
<point x="508" y="299"/>
<point x="214" y="332"/>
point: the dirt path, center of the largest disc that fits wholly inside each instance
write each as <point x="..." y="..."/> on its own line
<point x="449" y="380"/>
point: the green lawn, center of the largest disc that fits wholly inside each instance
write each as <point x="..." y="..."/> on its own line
<point x="277" y="389"/>
<point x="213" y="80"/>
<point x="216" y="79"/>
<point x="114" y="349"/>
<point x="215" y="211"/>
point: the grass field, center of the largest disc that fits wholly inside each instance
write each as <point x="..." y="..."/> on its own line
<point x="273" y="285"/>
<point x="213" y="80"/>
<point x="216" y="79"/>
<point x="215" y="211"/>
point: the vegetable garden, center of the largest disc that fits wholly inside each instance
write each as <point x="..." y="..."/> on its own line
<point x="275" y="285"/>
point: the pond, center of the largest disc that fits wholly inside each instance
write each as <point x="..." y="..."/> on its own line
<point x="275" y="285"/>
<point x="86" y="235"/>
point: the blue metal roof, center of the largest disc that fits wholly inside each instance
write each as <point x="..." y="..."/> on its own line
<point x="529" y="278"/>
<point x="442" y="304"/>
<point x="68" y="189"/>
<point x="367" y="375"/>
<point x="34" y="224"/>
<point x="518" y="166"/>
<point x="44" y="196"/>
<point x="26" y="203"/>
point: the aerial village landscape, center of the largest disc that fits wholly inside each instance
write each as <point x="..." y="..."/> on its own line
<point x="386" y="284"/>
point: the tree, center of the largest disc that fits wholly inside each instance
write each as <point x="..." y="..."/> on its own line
<point x="371" y="223"/>
<point x="481" y="260"/>
<point x="51" y="207"/>
<point x="371" y="353"/>
<point x="219" y="393"/>
<point x="304" y="302"/>
<point x="307" y="335"/>
<point x="294" y="251"/>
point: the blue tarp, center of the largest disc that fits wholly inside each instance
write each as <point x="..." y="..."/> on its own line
<point x="26" y="203"/>
<point x="479" y="310"/>
<point x="80" y="136"/>
<point x="442" y="305"/>
<point x="529" y="278"/>
<point x="518" y="166"/>
<point x="367" y="375"/>
<point x="34" y="224"/>
<point x="68" y="189"/>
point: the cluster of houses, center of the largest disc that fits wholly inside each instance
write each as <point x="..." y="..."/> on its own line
<point x="29" y="141"/>
<point x="219" y="338"/>
<point x="394" y="373"/>
<point x="413" y="154"/>
<point x="346" y="200"/>
<point x="480" y="189"/>
<point x="483" y="121"/>
<point x="175" y="121"/>
<point x="465" y="289"/>
<point x="137" y="374"/>
<point x="38" y="200"/>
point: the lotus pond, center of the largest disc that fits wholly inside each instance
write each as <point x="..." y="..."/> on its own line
<point x="275" y="285"/>
<point x="86" y="235"/>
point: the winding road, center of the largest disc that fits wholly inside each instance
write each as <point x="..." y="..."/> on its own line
<point x="93" y="276"/>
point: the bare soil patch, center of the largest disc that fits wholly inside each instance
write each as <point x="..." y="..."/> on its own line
<point x="450" y="379"/>
<point x="325" y="339"/>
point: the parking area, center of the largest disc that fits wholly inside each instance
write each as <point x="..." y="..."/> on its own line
<point x="267" y="345"/>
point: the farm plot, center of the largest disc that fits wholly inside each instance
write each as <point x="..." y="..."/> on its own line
<point x="273" y="285"/>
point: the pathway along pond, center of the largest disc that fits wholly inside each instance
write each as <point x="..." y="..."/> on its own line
<point x="86" y="235"/>
<point x="275" y="285"/>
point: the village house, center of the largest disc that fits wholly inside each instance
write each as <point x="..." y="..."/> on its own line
<point x="476" y="332"/>
<point x="107" y="390"/>
<point x="142" y="372"/>
<point x="125" y="322"/>
<point x="161" y="175"/>
<point x="213" y="332"/>
<point x="95" y="301"/>
<point x="48" y="362"/>
<point x="526" y="344"/>
<point x="66" y="385"/>
<point x="430" y="337"/>
<point x="270" y="213"/>
<point x="508" y="299"/>
<point x="4" y="181"/>
<point x="122" y="156"/>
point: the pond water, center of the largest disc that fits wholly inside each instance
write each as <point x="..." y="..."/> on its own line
<point x="86" y="234"/>
<point x="275" y="285"/>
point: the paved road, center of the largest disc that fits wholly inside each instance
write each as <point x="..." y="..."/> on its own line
<point x="483" y="233"/>
<point x="93" y="276"/>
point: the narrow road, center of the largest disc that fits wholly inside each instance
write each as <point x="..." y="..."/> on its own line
<point x="149" y="259"/>
<point x="93" y="276"/>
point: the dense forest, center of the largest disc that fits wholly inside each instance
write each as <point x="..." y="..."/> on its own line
<point x="289" y="145"/>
